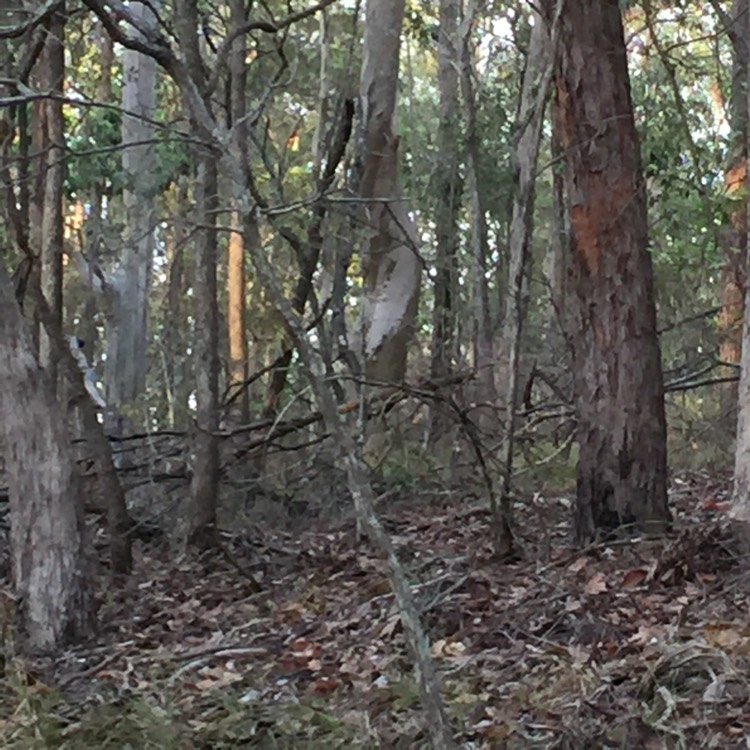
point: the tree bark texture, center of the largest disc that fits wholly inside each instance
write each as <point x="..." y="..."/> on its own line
<point x="447" y="183"/>
<point x="734" y="238"/>
<point x="125" y="371"/>
<point x="618" y="377"/>
<point x="393" y="267"/>
<point x="741" y="492"/>
<point x="236" y="288"/>
<point x="524" y="156"/>
<point x="47" y="528"/>
<point x="204" y="485"/>
<point x="52" y="66"/>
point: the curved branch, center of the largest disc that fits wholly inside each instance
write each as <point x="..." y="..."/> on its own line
<point x="269" y="27"/>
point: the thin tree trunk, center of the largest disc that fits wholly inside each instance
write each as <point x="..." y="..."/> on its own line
<point x="484" y="355"/>
<point x="204" y="484"/>
<point x="52" y="78"/>
<point x="534" y="90"/>
<point x="308" y="254"/>
<point x="47" y="528"/>
<point x="740" y="512"/>
<point x="622" y="468"/>
<point x="448" y="204"/>
<point x="236" y="314"/>
<point x="236" y="285"/>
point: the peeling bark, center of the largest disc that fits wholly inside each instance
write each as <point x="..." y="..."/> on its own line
<point x="393" y="267"/>
<point x="617" y="365"/>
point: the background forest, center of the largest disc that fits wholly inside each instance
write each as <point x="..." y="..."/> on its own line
<point x="344" y="339"/>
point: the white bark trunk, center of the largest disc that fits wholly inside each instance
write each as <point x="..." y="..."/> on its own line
<point x="393" y="267"/>
<point x="128" y="334"/>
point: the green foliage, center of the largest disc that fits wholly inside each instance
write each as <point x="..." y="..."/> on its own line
<point x="93" y="135"/>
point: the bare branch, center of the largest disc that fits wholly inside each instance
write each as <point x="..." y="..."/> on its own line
<point x="270" y="27"/>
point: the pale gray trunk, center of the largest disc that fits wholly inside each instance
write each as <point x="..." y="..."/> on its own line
<point x="484" y="350"/>
<point x="47" y="529"/>
<point x="393" y="267"/>
<point x="127" y="349"/>
<point x="534" y="90"/>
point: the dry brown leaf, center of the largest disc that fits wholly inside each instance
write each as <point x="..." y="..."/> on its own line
<point x="634" y="578"/>
<point x="596" y="584"/>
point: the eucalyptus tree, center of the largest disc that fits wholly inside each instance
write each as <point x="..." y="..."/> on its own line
<point x="46" y="214"/>
<point x="734" y="272"/>
<point x="741" y="491"/>
<point x="128" y="287"/>
<point x="392" y="263"/>
<point x="50" y="575"/>
<point x="619" y="393"/>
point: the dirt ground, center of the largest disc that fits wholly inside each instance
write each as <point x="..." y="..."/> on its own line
<point x="292" y="640"/>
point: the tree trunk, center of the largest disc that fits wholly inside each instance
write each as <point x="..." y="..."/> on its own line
<point x="204" y="485"/>
<point x="447" y="192"/>
<point x="734" y="238"/>
<point x="52" y="77"/>
<point x="530" y="119"/>
<point x="618" y="378"/>
<point x="236" y="288"/>
<point x="393" y="267"/>
<point x="741" y="494"/>
<point x="484" y="349"/>
<point x="125" y="371"/>
<point x="236" y="304"/>
<point x="47" y="528"/>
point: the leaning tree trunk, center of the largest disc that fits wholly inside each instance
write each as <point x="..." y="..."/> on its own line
<point x="393" y="267"/>
<point x="618" y="378"/>
<point x="47" y="528"/>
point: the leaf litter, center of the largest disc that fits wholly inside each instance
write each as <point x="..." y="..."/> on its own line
<point x="635" y="643"/>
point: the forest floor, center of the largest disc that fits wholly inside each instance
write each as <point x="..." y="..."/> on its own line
<point x="641" y="644"/>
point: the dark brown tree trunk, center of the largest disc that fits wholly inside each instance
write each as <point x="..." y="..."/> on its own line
<point x="204" y="486"/>
<point x="618" y="377"/>
<point x="47" y="528"/>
